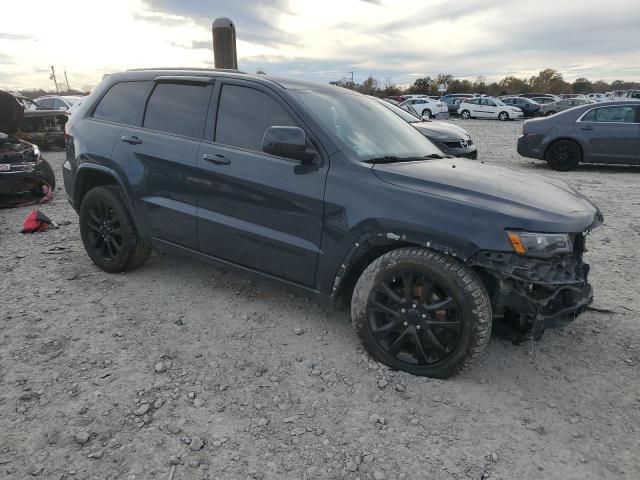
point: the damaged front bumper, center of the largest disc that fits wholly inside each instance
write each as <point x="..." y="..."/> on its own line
<point x="536" y="293"/>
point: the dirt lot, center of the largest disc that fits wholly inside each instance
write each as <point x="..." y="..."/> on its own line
<point x="180" y="370"/>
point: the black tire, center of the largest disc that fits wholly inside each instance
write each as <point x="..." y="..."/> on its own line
<point x="563" y="155"/>
<point x="548" y="114"/>
<point x="47" y="173"/>
<point x="457" y="343"/>
<point x="503" y="116"/>
<point x="426" y="113"/>
<point x="465" y="114"/>
<point x="108" y="232"/>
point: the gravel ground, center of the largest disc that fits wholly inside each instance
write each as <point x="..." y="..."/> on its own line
<point x="184" y="371"/>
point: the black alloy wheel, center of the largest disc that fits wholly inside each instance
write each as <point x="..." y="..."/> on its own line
<point x="414" y="318"/>
<point x="108" y="232"/>
<point x="105" y="232"/>
<point x="563" y="155"/>
<point x="422" y="312"/>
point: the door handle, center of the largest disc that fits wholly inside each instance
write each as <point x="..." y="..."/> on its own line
<point x="217" y="159"/>
<point x="587" y="127"/>
<point x="133" y="140"/>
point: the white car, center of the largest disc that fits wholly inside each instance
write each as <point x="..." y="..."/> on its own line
<point x="57" y="102"/>
<point x="488" y="107"/>
<point x="598" y="97"/>
<point x="425" y="106"/>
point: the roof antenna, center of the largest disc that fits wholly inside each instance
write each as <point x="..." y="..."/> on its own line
<point x="224" y="44"/>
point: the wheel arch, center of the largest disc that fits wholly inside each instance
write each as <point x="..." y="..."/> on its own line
<point x="564" y="137"/>
<point x="89" y="176"/>
<point x="372" y="245"/>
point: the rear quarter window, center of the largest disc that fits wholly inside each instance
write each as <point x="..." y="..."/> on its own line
<point x="123" y="103"/>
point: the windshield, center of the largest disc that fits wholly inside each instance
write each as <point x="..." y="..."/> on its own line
<point x="499" y="102"/>
<point x="365" y="128"/>
<point x="404" y="114"/>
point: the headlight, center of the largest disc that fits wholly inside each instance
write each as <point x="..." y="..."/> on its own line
<point x="539" y="244"/>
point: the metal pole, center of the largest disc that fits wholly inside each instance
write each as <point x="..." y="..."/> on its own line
<point x="66" y="80"/>
<point x="224" y="43"/>
<point x="53" y="77"/>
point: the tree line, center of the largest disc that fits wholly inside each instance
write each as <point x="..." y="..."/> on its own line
<point x="547" y="81"/>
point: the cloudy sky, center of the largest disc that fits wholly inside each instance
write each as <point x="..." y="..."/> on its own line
<point x="322" y="40"/>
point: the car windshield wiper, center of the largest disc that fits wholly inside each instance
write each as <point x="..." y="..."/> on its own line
<point x="394" y="159"/>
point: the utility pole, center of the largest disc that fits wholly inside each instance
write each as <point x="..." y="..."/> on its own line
<point x="53" y="77"/>
<point x="351" y="76"/>
<point x="66" y="80"/>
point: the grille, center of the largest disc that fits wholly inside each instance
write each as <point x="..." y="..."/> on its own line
<point x="459" y="144"/>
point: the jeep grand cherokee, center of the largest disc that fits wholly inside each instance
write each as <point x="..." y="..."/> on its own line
<point x="326" y="190"/>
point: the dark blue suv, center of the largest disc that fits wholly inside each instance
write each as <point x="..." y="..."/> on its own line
<point x="332" y="193"/>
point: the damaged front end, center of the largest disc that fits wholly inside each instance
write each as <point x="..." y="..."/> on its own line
<point x="529" y="294"/>
<point x="25" y="177"/>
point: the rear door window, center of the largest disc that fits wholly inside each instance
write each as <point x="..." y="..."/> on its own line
<point x="618" y="114"/>
<point x="123" y="103"/>
<point x="178" y="108"/>
<point x="244" y="114"/>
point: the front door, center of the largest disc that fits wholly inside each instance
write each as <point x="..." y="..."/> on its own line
<point x="612" y="133"/>
<point x="255" y="209"/>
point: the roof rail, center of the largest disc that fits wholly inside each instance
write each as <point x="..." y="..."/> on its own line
<point x="194" y="69"/>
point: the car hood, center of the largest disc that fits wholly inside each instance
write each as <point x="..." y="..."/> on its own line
<point x="528" y="201"/>
<point x="11" y="113"/>
<point x="441" y="130"/>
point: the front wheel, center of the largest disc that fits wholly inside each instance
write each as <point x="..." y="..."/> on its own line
<point x="422" y="312"/>
<point x="108" y="233"/>
<point x="426" y="113"/>
<point x="503" y="116"/>
<point x="465" y="114"/>
<point x="563" y="155"/>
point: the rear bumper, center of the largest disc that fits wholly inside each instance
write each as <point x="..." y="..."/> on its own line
<point x="530" y="146"/>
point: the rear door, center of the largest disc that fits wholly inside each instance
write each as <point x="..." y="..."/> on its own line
<point x="258" y="210"/>
<point x="612" y="133"/>
<point x="474" y="107"/>
<point x="160" y="158"/>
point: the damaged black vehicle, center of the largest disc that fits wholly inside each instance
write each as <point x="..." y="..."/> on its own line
<point x="25" y="177"/>
<point x="331" y="193"/>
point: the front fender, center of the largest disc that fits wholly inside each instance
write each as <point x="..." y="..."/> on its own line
<point x="390" y="235"/>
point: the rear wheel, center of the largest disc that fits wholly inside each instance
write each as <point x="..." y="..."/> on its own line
<point x="465" y="114"/>
<point x="48" y="175"/>
<point x="423" y="312"/>
<point x="426" y="113"/>
<point x="108" y="233"/>
<point x="503" y="116"/>
<point x="563" y="155"/>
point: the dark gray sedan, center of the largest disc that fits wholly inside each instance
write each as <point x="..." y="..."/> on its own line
<point x="451" y="139"/>
<point x="593" y="133"/>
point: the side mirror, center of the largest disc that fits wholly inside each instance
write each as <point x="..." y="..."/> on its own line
<point x="288" y="142"/>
